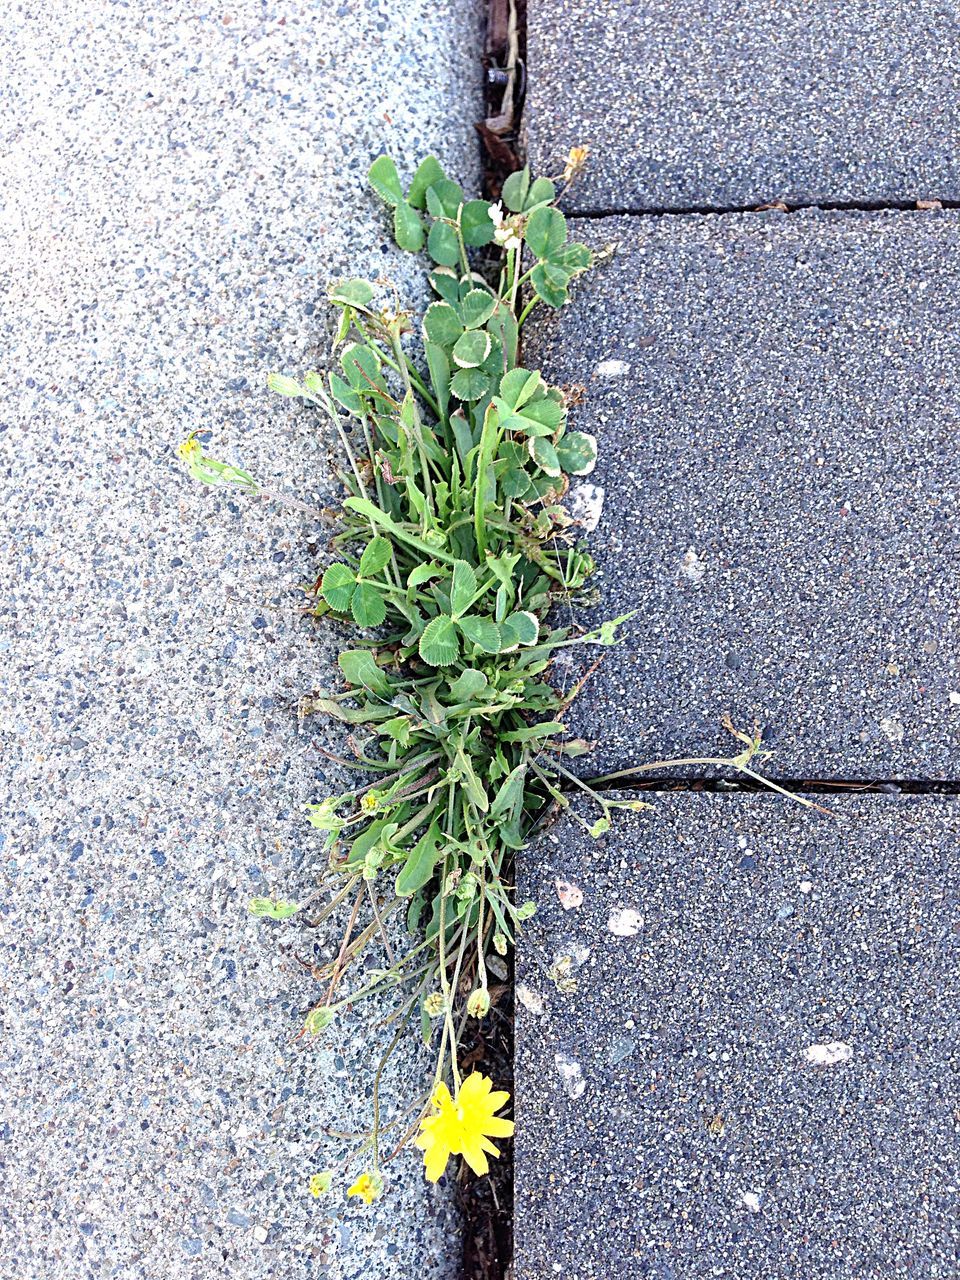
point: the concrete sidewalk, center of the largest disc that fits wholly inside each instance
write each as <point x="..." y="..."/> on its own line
<point x="180" y="185"/>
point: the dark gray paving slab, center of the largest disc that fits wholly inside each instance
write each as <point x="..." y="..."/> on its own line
<point x="736" y="103"/>
<point x="777" y="403"/>
<point x="757" y="1072"/>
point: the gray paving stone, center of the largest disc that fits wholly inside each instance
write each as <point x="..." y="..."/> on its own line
<point x="180" y="183"/>
<point x="776" y="399"/>
<point x="736" y="103"/>
<point x="757" y="1073"/>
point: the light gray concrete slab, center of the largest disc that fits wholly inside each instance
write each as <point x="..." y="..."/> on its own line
<point x="777" y="404"/>
<point x="752" y="1067"/>
<point x="179" y="185"/>
<point x="739" y="102"/>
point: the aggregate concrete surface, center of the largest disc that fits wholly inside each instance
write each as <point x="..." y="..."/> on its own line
<point x="776" y="401"/>
<point x="736" y="103"/>
<point x="738" y="1056"/>
<point x="181" y="182"/>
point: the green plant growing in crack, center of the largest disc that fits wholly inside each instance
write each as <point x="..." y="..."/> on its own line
<point x="453" y="547"/>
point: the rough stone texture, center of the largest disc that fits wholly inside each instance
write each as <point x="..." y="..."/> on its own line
<point x="180" y="183"/>
<point x="777" y="403"/>
<point x="735" y="103"/>
<point x="757" y="1073"/>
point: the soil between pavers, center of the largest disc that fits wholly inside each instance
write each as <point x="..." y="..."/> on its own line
<point x="776" y="402"/>
<point x="730" y="103"/>
<point x="757" y="1072"/>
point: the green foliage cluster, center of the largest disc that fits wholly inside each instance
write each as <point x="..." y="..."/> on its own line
<point x="453" y="548"/>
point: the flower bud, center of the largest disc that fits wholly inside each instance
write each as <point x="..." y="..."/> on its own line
<point x="434" y="1004"/>
<point x="478" y="1006"/>
<point x="500" y="944"/>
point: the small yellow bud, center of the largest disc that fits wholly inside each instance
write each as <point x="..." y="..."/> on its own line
<point x="320" y="1183"/>
<point x="478" y="1006"/>
<point x="434" y="1004"/>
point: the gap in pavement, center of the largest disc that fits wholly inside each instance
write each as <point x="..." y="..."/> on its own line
<point x="774" y="206"/>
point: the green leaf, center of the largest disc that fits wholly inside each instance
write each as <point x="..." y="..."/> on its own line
<point x="439" y="645"/>
<point x="384" y="180"/>
<point x="441" y="324"/>
<point x="577" y="453"/>
<point x="514" y="483"/>
<point x="510" y="792"/>
<point x="420" y="864"/>
<point x="503" y="325"/>
<point x="542" y="191"/>
<point x="463" y="588"/>
<point x="446" y="283"/>
<point x="544" y="455"/>
<point x="439" y="367"/>
<point x="284" y="386"/>
<point x="482" y="632"/>
<point x="399" y="729"/>
<point x="471" y="348"/>
<point x="338" y="586"/>
<point x="375" y="558"/>
<point x="408" y="228"/>
<point x="546" y="232"/>
<point x="362" y="368"/>
<point x="442" y="244"/>
<point x="524" y="626"/>
<point x="367" y="606"/>
<point x="272" y="910"/>
<point x="573" y="257"/>
<point x="444" y="198"/>
<point x="428" y="172"/>
<point x="550" y="283"/>
<point x="470" y="683"/>
<point x="354" y="293"/>
<point x="345" y="395"/>
<point x="477" y="308"/>
<point x="517" y="386"/>
<point x="469" y="384"/>
<point x="476" y="223"/>
<point x="515" y="188"/>
<point x="359" y="668"/>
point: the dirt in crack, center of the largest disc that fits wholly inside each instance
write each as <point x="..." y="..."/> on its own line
<point x="487" y="1203"/>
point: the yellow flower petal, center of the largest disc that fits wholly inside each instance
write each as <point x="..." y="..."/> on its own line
<point x="368" y="1186"/>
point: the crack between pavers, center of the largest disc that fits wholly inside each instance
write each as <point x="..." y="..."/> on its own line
<point x="818" y="786"/>
<point x="697" y="210"/>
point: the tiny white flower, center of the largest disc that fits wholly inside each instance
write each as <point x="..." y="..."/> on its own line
<point x="495" y="214"/>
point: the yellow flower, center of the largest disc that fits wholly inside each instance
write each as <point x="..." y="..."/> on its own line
<point x="189" y="449"/>
<point x="368" y="1186"/>
<point x="463" y="1126"/>
<point x="320" y="1182"/>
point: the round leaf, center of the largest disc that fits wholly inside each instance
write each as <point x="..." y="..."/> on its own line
<point x="442" y="324"/>
<point x="477" y="308"/>
<point x="356" y="293"/>
<point x="577" y="453"/>
<point x="515" y="483"/>
<point x="338" y="586"/>
<point x="515" y="188"/>
<point x="442" y="244"/>
<point x="383" y="178"/>
<point x="524" y="626"/>
<point x="375" y="558"/>
<point x="367" y="606"/>
<point x="439" y="645"/>
<point x="471" y="348"/>
<point x="476" y="223"/>
<point x="544" y="455"/>
<point x="546" y="232"/>
<point x="428" y="172"/>
<point x="469" y="384"/>
<point x="550" y="283"/>
<point x="482" y="632"/>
